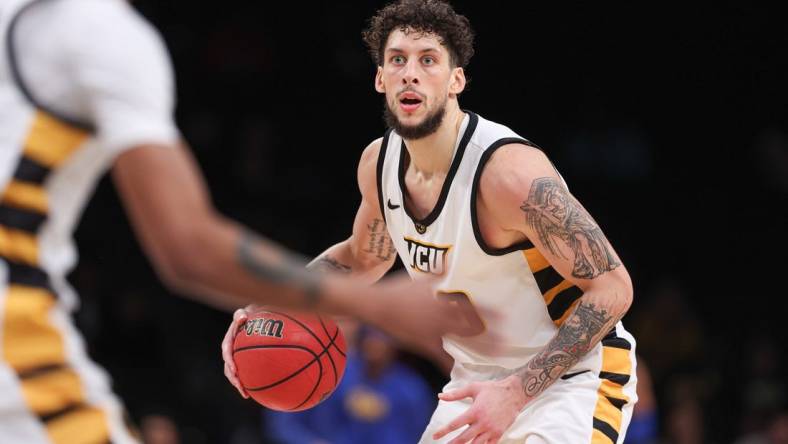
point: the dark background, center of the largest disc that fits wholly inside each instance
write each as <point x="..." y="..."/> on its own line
<point x="669" y="124"/>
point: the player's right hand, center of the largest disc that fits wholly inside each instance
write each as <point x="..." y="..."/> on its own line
<point x="230" y="372"/>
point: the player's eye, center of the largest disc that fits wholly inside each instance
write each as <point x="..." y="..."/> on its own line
<point x="398" y="60"/>
<point x="428" y="60"/>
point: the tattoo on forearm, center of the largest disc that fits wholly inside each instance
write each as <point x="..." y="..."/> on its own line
<point x="380" y="243"/>
<point x="581" y="331"/>
<point x="328" y="263"/>
<point x="556" y="215"/>
<point x="273" y="264"/>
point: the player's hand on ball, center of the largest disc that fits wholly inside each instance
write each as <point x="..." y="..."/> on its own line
<point x="495" y="406"/>
<point x="230" y="372"/>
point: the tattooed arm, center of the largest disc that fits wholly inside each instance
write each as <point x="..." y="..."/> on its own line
<point x="523" y="196"/>
<point x="575" y="246"/>
<point x="369" y="252"/>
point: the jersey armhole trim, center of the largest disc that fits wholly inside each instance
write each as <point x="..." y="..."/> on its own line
<point x="524" y="245"/>
<point x="379" y="172"/>
<point x="16" y="74"/>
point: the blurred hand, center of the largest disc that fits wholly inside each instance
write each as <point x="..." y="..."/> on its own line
<point x="409" y="311"/>
<point x="239" y="317"/>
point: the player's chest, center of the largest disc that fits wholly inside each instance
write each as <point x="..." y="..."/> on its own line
<point x="422" y="193"/>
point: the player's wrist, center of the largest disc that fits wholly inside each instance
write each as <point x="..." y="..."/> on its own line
<point x="514" y="383"/>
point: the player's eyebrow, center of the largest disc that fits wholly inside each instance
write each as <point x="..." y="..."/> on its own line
<point x="423" y="50"/>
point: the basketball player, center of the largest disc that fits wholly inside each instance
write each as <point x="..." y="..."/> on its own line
<point x="473" y="203"/>
<point x="86" y="85"/>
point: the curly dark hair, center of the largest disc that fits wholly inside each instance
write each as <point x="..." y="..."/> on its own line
<point x="422" y="16"/>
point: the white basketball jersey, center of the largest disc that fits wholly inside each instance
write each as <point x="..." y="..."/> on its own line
<point x="529" y="298"/>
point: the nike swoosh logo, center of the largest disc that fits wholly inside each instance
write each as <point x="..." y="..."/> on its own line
<point x="572" y="375"/>
<point x="391" y="206"/>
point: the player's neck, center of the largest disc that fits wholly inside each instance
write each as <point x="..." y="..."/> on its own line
<point x="433" y="154"/>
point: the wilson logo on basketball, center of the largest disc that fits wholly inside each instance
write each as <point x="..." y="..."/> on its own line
<point x="265" y="327"/>
<point x="427" y="258"/>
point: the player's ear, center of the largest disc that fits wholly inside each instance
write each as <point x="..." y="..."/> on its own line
<point x="458" y="81"/>
<point x="379" y="86"/>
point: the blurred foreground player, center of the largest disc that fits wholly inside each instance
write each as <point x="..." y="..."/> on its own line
<point x="86" y="85"/>
<point x="482" y="209"/>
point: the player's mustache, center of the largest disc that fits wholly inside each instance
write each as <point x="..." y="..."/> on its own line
<point x="410" y="89"/>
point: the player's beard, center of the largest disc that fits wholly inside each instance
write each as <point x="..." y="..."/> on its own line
<point x="428" y="126"/>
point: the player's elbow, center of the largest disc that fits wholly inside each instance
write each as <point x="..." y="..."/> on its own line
<point x="623" y="292"/>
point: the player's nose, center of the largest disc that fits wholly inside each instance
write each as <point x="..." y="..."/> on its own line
<point x="410" y="74"/>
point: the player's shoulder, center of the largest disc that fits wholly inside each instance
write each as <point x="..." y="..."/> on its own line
<point x="367" y="165"/>
<point x="120" y="27"/>
<point x="111" y="16"/>
<point x="369" y="158"/>
<point x="371" y="151"/>
<point x="511" y="170"/>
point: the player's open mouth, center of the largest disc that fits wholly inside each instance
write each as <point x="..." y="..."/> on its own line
<point x="409" y="102"/>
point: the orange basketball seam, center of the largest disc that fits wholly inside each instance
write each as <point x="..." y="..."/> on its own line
<point x="309" y="330"/>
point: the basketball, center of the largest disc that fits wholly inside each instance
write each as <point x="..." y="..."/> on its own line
<point x="289" y="361"/>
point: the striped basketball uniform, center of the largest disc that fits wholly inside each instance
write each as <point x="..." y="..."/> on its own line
<point x="593" y="401"/>
<point x="80" y="80"/>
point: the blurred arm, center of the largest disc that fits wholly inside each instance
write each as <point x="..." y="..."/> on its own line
<point x="527" y="198"/>
<point x="369" y="252"/>
<point x="197" y="251"/>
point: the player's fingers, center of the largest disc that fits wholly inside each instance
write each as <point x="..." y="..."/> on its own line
<point x="240" y="316"/>
<point x="468" y="435"/>
<point x="465" y="418"/>
<point x="484" y="438"/>
<point x="468" y="391"/>
<point x="230" y="375"/>
<point x="227" y="349"/>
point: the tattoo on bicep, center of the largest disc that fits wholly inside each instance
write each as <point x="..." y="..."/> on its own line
<point x="379" y="243"/>
<point x="328" y="263"/>
<point x="273" y="264"/>
<point x="574" y="339"/>
<point x="555" y="215"/>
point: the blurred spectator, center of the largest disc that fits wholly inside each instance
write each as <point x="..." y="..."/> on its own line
<point x="378" y="401"/>
<point x="643" y="429"/>
<point x="776" y="431"/>
<point x="763" y="391"/>
<point x="668" y="332"/>
<point x="159" y="429"/>
<point x="685" y="422"/>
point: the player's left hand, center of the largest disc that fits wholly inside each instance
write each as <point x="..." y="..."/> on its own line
<point x="495" y="406"/>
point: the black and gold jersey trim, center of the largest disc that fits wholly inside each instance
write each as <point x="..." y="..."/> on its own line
<point x="615" y="373"/>
<point x="77" y="423"/>
<point x="404" y="158"/>
<point x="25" y="275"/>
<point x="560" y="295"/>
<point x="606" y="429"/>
<point x="379" y="171"/>
<point x="475" y="192"/>
<point x="24" y="204"/>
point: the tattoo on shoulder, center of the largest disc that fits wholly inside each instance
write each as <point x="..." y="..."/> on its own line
<point x="559" y="220"/>
<point x="328" y="263"/>
<point x="379" y="243"/>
